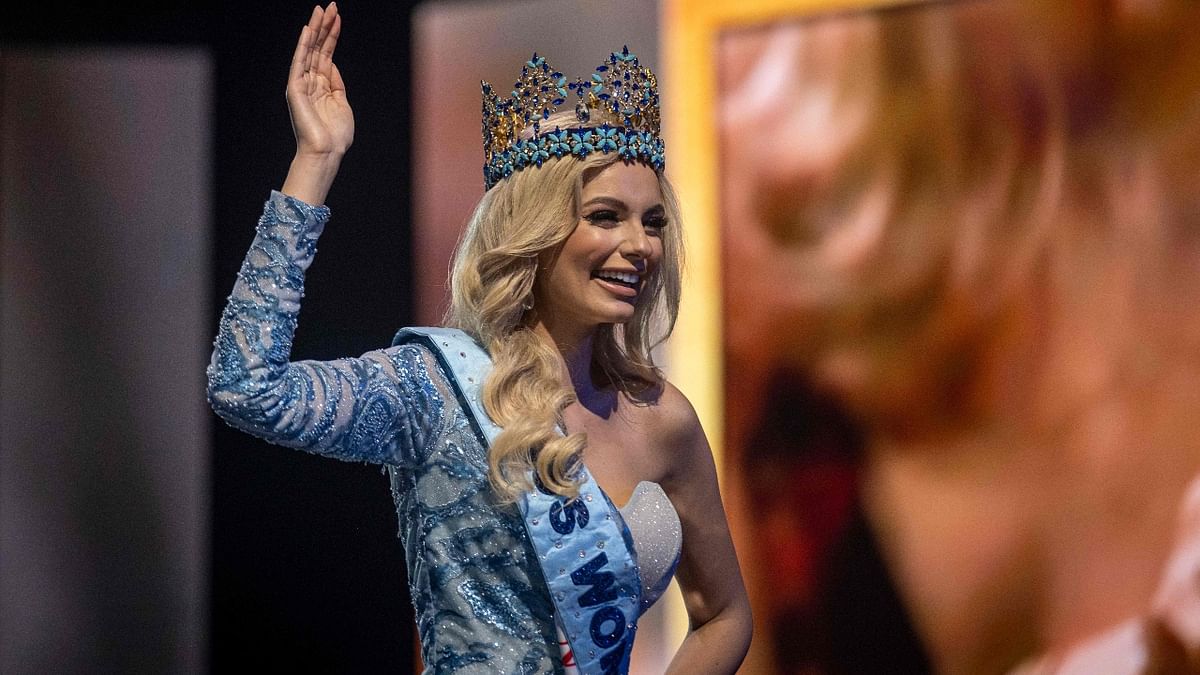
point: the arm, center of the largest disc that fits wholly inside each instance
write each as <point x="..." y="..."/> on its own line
<point x="713" y="593"/>
<point x="375" y="408"/>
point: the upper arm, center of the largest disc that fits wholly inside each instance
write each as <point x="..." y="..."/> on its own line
<point x="708" y="572"/>
<point x="380" y="407"/>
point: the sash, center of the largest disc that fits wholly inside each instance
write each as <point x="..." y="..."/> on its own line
<point x="583" y="546"/>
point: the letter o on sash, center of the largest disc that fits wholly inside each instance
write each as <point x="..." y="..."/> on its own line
<point x="562" y="520"/>
<point x="607" y="638"/>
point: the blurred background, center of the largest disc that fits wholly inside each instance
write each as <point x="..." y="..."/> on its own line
<point x="949" y="251"/>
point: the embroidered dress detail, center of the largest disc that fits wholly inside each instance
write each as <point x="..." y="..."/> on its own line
<point x="586" y="553"/>
<point x="480" y="602"/>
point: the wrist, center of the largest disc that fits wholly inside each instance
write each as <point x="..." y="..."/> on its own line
<point x="318" y="156"/>
<point x="311" y="175"/>
<point x="327" y="162"/>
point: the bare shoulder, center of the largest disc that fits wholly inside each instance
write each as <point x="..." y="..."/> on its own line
<point x="674" y="424"/>
<point x="677" y="416"/>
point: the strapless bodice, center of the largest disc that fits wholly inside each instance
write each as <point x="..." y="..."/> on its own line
<point x="657" y="538"/>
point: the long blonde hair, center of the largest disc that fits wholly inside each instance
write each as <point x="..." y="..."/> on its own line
<point x="533" y="211"/>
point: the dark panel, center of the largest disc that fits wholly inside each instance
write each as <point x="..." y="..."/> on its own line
<point x="104" y="216"/>
<point x="307" y="570"/>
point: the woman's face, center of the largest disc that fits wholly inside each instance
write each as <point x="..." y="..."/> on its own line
<point x="597" y="275"/>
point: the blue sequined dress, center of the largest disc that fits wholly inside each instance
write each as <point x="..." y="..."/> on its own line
<point x="480" y="597"/>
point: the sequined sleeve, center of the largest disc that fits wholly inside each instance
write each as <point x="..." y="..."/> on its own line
<point x="378" y="408"/>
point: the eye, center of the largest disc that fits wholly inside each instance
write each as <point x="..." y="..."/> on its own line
<point x="655" y="223"/>
<point x="603" y="217"/>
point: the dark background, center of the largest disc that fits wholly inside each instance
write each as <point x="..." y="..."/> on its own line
<point x="306" y="571"/>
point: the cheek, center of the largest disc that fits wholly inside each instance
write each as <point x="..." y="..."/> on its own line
<point x="587" y="247"/>
<point x="656" y="255"/>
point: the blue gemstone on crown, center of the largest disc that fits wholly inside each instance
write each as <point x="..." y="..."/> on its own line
<point x="617" y="111"/>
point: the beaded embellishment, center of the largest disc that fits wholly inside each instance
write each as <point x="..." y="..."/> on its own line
<point x="617" y="110"/>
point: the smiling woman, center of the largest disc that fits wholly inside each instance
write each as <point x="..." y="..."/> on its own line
<point x="511" y="436"/>
<point x="596" y="276"/>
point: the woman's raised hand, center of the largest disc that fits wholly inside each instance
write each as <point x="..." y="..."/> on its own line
<point x="321" y="115"/>
<point x="316" y="95"/>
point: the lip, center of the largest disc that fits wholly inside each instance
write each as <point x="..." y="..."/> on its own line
<point x="616" y="289"/>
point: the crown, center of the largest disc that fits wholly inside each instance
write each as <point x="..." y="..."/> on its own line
<point x="616" y="111"/>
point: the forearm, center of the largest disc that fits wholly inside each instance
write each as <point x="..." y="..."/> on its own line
<point x="311" y="175"/>
<point x="247" y="376"/>
<point x="373" y="408"/>
<point x="717" y="646"/>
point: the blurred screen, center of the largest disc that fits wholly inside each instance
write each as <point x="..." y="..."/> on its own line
<point x="958" y="245"/>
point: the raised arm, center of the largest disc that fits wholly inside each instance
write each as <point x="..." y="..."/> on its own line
<point x="377" y="408"/>
<point x="321" y="115"/>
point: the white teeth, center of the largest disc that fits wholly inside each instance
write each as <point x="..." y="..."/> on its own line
<point x="627" y="277"/>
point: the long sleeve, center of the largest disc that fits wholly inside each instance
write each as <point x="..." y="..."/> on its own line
<point x="377" y="408"/>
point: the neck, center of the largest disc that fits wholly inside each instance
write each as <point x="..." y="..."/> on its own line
<point x="575" y="347"/>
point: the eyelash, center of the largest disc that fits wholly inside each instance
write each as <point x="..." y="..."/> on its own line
<point x="602" y="217"/>
<point x="657" y="223"/>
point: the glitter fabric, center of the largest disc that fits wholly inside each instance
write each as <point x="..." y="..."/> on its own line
<point x="481" y="600"/>
<point x="657" y="538"/>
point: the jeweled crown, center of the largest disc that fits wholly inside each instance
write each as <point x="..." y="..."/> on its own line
<point x="617" y="111"/>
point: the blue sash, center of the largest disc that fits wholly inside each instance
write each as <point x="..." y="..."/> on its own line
<point x="583" y="545"/>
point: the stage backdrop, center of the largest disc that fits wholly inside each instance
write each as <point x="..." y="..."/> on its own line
<point x="104" y="334"/>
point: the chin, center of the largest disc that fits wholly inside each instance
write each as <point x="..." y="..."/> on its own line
<point x="617" y="320"/>
<point x="626" y="316"/>
<point x="621" y="313"/>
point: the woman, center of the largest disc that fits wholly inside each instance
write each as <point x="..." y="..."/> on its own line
<point x="517" y="559"/>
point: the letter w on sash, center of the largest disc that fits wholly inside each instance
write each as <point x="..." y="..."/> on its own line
<point x="601" y="582"/>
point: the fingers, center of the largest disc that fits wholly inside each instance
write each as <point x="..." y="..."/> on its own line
<point x="327" y="21"/>
<point x="322" y="56"/>
<point x="303" y="54"/>
<point x="319" y="31"/>
<point x="335" y="83"/>
<point x="299" y="58"/>
<point x="325" y="62"/>
<point x="335" y="30"/>
<point x="314" y="50"/>
<point x="314" y="33"/>
<point x="314" y="20"/>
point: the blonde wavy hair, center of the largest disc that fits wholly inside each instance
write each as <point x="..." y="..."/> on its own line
<point x="533" y="212"/>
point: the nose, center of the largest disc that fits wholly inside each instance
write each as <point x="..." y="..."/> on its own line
<point x="637" y="243"/>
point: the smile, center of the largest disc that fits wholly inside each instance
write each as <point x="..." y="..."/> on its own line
<point x="622" y="283"/>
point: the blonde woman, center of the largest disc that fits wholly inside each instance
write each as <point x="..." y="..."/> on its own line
<point x="512" y="437"/>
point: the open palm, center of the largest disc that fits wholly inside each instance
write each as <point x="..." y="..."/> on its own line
<point x="316" y="96"/>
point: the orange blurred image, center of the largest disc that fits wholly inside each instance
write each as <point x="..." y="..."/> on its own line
<point x="960" y="251"/>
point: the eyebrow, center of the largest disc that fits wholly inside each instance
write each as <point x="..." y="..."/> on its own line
<point x="615" y="203"/>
